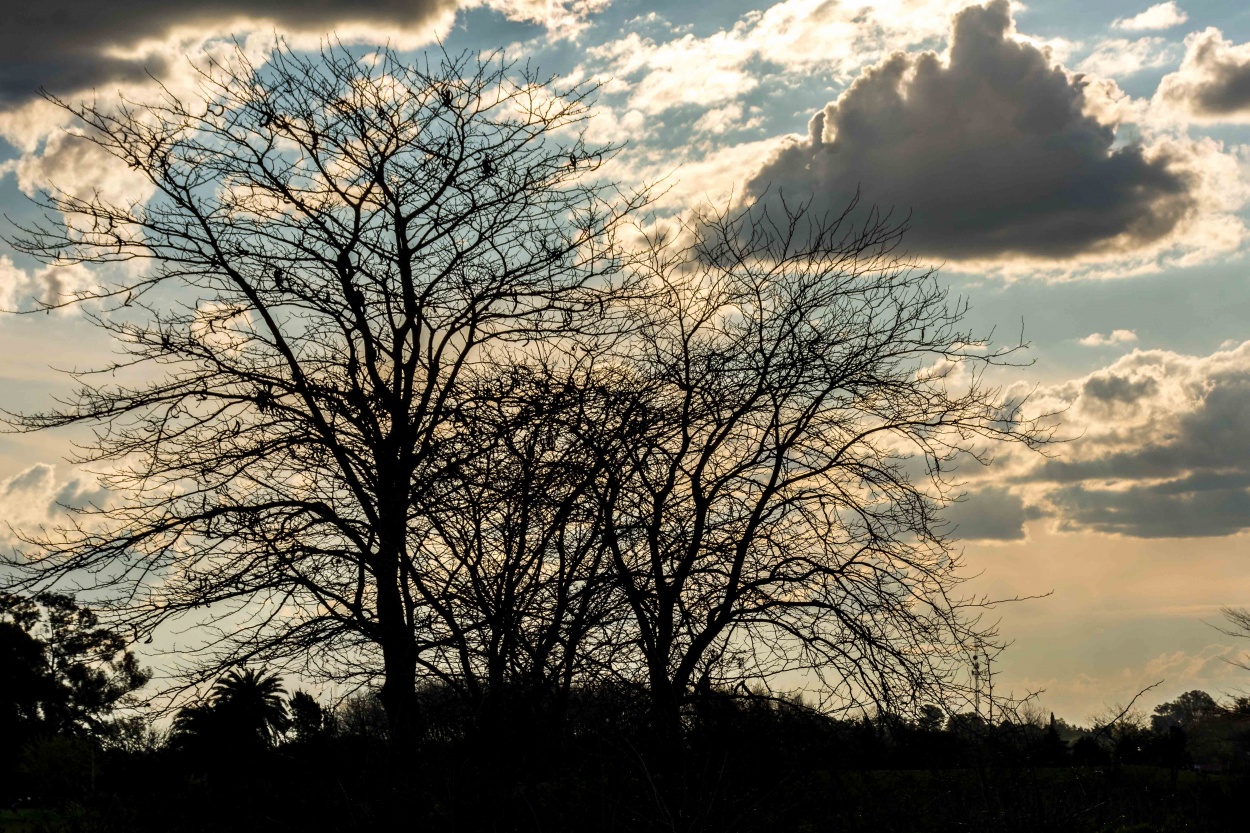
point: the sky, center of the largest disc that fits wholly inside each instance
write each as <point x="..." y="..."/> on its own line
<point x="1079" y="171"/>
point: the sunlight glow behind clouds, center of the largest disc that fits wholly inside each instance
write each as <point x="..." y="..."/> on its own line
<point x="1162" y="448"/>
<point x="70" y="46"/>
<point x="793" y="35"/>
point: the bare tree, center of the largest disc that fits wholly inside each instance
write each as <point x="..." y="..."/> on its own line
<point x="802" y="394"/>
<point x="1238" y="619"/>
<point x="335" y="249"/>
<point x="532" y="609"/>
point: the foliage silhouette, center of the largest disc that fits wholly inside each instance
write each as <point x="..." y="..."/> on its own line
<point x="756" y="763"/>
<point x="307" y="717"/>
<point x="244" y="709"/>
<point x="61" y="671"/>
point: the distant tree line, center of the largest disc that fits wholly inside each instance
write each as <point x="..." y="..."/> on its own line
<point x="250" y="755"/>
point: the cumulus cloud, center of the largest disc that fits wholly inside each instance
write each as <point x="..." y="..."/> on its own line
<point x="1160" y="16"/>
<point x="1163" y="448"/>
<point x="25" y="289"/>
<point x="998" y="156"/>
<point x="993" y="151"/>
<point x="1114" y="337"/>
<point x="727" y="118"/>
<point x="990" y="514"/>
<point x="82" y="169"/>
<point x="1213" y="83"/>
<point x="36" y="497"/>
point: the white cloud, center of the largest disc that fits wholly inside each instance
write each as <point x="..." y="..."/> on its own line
<point x="1114" y="337"/>
<point x="690" y="70"/>
<point x="82" y="169"/>
<point x="562" y="18"/>
<point x="731" y="117"/>
<point x="1160" y="16"/>
<point x="1212" y="661"/>
<point x="794" y="35"/>
<point x="22" y="289"/>
<point x="1120" y="58"/>
<point x="37" y="498"/>
<point x="705" y="175"/>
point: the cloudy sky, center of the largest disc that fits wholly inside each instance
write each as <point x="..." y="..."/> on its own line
<point x="1081" y="170"/>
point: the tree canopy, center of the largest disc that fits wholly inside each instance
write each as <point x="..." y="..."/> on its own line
<point x="60" y="670"/>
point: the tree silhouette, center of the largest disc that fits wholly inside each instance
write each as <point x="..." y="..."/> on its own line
<point x="335" y="248"/>
<point x="1184" y="712"/>
<point x="253" y="702"/>
<point x="244" y="709"/>
<point x="308" y="718"/>
<point x="534" y="609"/>
<point x="396" y="401"/>
<point x="60" y="670"/>
<point x="776" y="509"/>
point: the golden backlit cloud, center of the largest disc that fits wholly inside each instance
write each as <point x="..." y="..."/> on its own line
<point x="1213" y="82"/>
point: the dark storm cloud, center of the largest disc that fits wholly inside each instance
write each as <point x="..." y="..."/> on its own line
<point x="63" y="45"/>
<point x="993" y="154"/>
<point x="1214" y="79"/>
<point x="992" y="514"/>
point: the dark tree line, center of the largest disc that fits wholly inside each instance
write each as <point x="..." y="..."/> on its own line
<point x="412" y="396"/>
<point x="248" y="756"/>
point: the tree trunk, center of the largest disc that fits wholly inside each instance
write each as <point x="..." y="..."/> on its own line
<point x="668" y="744"/>
<point x="667" y="749"/>
<point x="399" y="692"/>
<point x="399" y="650"/>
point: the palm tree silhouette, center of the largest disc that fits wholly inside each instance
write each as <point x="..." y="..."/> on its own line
<point x="250" y="706"/>
<point x="244" y="708"/>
